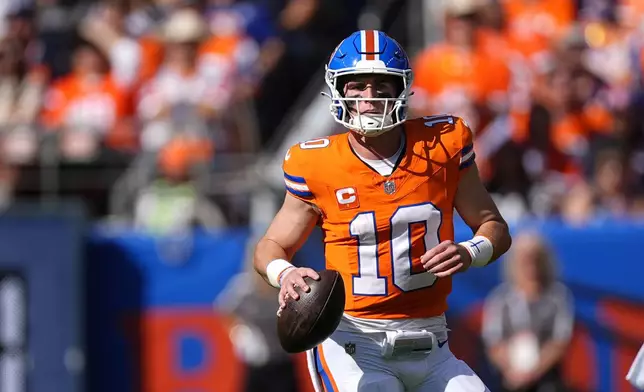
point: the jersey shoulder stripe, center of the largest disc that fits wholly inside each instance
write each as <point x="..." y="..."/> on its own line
<point x="467" y="156"/>
<point x="297" y="186"/>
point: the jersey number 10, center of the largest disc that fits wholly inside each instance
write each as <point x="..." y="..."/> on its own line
<point x="363" y="227"/>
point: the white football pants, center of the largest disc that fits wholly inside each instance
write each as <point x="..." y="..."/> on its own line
<point x="352" y="362"/>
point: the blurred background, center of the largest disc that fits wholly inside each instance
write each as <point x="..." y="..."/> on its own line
<point x="141" y="144"/>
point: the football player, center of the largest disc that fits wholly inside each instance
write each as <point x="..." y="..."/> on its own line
<point x="384" y="194"/>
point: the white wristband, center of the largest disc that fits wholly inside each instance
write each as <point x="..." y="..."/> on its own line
<point x="481" y="250"/>
<point x="274" y="269"/>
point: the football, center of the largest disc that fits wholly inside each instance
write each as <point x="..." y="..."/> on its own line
<point x="307" y="322"/>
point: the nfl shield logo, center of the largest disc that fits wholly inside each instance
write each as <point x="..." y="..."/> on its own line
<point x="390" y="187"/>
<point x="350" y="348"/>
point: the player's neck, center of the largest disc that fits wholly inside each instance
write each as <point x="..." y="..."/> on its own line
<point x="377" y="147"/>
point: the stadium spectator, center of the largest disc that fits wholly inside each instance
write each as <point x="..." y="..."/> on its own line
<point x="133" y="59"/>
<point x="184" y="88"/>
<point x="86" y="105"/>
<point x="532" y="26"/>
<point x="528" y="320"/>
<point x="173" y="202"/>
<point x="457" y="76"/>
<point x="252" y="19"/>
<point x="21" y="88"/>
<point x="578" y="205"/>
<point x="250" y="301"/>
<point x="21" y="95"/>
<point x="229" y="43"/>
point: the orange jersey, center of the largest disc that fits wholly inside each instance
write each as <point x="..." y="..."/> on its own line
<point x="443" y="68"/>
<point x="533" y="26"/>
<point x="376" y="227"/>
<point x="72" y="101"/>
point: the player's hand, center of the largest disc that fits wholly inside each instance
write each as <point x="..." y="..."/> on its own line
<point x="445" y="259"/>
<point x="294" y="277"/>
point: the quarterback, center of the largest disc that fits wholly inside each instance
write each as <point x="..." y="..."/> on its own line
<point x="384" y="194"/>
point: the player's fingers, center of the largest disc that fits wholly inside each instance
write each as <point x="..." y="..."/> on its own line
<point x="282" y="304"/>
<point x="444" y="265"/>
<point x="435" y="251"/>
<point x="448" y="250"/>
<point x="281" y="298"/>
<point x="436" y="260"/>
<point x="312" y="274"/>
<point x="299" y="281"/>
<point x="450" y="271"/>
<point x="291" y="292"/>
<point x="429" y="254"/>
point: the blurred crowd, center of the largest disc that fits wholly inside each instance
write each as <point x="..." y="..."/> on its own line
<point x="170" y="90"/>
<point x="553" y="89"/>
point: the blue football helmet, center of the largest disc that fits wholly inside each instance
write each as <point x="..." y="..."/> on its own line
<point x="368" y="52"/>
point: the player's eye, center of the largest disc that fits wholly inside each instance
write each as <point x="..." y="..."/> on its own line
<point x="360" y="86"/>
<point x="386" y="85"/>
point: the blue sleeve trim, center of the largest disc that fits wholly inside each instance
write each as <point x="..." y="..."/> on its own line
<point x="299" y="180"/>
<point x="468" y="163"/>
<point x="299" y="193"/>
